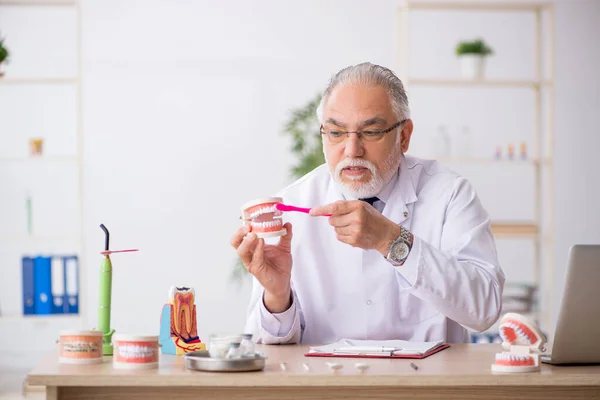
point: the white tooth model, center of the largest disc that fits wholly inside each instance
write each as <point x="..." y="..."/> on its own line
<point x="524" y="342"/>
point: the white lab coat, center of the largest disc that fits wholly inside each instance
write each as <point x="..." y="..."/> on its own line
<point x="451" y="279"/>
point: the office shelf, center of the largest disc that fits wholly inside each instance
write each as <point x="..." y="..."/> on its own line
<point x="37" y="81"/>
<point x="38" y="2"/>
<point x="542" y="85"/>
<point x="39" y="238"/>
<point x="474" y="6"/>
<point x="39" y="318"/>
<point x="508" y="229"/>
<point x="499" y="83"/>
<point x="492" y="161"/>
<point x="40" y="159"/>
<point x="23" y="243"/>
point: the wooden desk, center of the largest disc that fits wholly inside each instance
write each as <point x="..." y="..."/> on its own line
<point x="462" y="371"/>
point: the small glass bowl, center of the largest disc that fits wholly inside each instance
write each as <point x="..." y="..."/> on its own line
<point x="219" y="344"/>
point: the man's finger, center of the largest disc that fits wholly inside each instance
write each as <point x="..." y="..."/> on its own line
<point x="246" y="249"/>
<point x="337" y="208"/>
<point x="238" y="236"/>
<point x="285" y="242"/>
<point x="259" y="253"/>
<point x="348" y="239"/>
<point x="344" y="231"/>
<point x="339" y="221"/>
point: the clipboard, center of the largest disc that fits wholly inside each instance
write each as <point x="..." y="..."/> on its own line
<point x="414" y="356"/>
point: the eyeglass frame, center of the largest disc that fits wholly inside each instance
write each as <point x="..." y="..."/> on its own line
<point x="381" y="132"/>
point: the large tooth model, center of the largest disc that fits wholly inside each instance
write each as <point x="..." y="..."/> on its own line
<point x="178" y="328"/>
<point x="524" y="342"/>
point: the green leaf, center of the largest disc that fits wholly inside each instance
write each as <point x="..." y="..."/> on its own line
<point x="477" y="46"/>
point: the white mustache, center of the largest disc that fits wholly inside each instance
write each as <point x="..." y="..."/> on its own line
<point x="355" y="162"/>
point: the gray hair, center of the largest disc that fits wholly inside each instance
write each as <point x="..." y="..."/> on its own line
<point x="370" y="74"/>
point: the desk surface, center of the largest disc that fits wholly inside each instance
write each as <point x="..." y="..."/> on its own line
<point x="459" y="365"/>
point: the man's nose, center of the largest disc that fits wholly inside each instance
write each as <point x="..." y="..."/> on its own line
<point x="353" y="146"/>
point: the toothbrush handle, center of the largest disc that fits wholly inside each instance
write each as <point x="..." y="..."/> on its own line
<point x="301" y="209"/>
<point x="305" y="210"/>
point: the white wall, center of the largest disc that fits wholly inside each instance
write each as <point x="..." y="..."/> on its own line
<point x="184" y="104"/>
<point x="184" y="108"/>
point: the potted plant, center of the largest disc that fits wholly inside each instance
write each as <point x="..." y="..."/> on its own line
<point x="3" y="57"/>
<point x="472" y="56"/>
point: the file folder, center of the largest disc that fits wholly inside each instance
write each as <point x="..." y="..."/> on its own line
<point x="58" y="283"/>
<point x="72" y="284"/>
<point x="42" y="277"/>
<point x="28" y="286"/>
<point x="377" y="349"/>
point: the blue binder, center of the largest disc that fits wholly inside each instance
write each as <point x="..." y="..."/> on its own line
<point x="42" y="284"/>
<point x="28" y="288"/>
<point x="71" y="264"/>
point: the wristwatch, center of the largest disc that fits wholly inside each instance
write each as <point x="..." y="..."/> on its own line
<point x="400" y="248"/>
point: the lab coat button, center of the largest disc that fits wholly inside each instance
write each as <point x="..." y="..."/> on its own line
<point x="368" y="302"/>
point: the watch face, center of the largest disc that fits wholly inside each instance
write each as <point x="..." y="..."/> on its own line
<point x="400" y="251"/>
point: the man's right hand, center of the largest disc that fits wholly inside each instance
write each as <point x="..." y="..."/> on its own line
<point x="271" y="265"/>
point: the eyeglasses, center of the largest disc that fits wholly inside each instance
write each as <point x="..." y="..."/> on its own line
<point x="336" y="137"/>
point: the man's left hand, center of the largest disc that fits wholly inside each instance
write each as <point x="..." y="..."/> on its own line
<point x="359" y="224"/>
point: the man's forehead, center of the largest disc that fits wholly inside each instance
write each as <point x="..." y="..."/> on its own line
<point x="357" y="104"/>
<point x="374" y="120"/>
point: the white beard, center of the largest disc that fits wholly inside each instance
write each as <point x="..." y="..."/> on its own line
<point x="378" y="179"/>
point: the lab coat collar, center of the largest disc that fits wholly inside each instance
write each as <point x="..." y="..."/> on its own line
<point x="399" y="203"/>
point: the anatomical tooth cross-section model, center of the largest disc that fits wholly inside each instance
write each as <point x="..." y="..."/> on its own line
<point x="178" y="328"/>
<point x="524" y="342"/>
<point x="263" y="217"/>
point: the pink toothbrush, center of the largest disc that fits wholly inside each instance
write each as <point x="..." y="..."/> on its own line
<point x="284" y="207"/>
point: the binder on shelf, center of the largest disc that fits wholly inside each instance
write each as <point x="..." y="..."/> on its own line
<point x="42" y="274"/>
<point x="71" y="264"/>
<point x="58" y="284"/>
<point x="28" y="285"/>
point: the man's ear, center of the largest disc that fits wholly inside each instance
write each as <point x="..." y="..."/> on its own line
<point x="405" y="135"/>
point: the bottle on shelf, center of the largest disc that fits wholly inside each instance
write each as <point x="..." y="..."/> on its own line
<point x="498" y="154"/>
<point x="441" y="142"/>
<point x="463" y="143"/>
<point x="511" y="151"/>
<point x="523" y="151"/>
<point x="28" y="213"/>
<point x="36" y="146"/>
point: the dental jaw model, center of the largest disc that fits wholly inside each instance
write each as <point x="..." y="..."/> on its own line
<point x="178" y="328"/>
<point x="263" y="216"/>
<point x="524" y="342"/>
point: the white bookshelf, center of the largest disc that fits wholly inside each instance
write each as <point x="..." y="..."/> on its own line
<point x="540" y="230"/>
<point x="37" y="81"/>
<point x="47" y="324"/>
<point x="501" y="83"/>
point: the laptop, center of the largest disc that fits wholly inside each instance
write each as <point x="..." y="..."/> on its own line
<point x="577" y="336"/>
